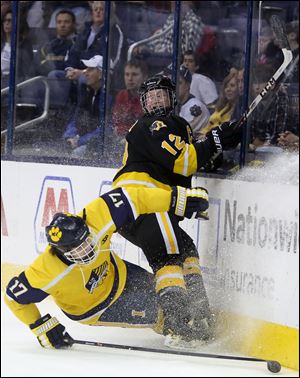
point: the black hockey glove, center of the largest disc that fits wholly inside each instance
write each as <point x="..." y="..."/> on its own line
<point x="50" y="333"/>
<point x="214" y="163"/>
<point x="225" y="137"/>
<point x="189" y="203"/>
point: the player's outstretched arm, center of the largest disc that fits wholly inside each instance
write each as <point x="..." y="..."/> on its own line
<point x="221" y="138"/>
<point x="126" y="204"/>
<point x="20" y="298"/>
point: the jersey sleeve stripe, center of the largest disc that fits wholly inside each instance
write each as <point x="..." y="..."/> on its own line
<point x="133" y="209"/>
<point x="59" y="277"/>
<point x="168" y="233"/>
<point x="186" y="163"/>
<point x="104" y="230"/>
<point x="135" y="182"/>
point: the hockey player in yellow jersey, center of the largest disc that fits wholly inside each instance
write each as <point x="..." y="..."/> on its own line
<point x="89" y="282"/>
<point x="160" y="152"/>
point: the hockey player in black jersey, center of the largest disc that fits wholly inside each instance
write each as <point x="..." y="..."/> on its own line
<point x="161" y="152"/>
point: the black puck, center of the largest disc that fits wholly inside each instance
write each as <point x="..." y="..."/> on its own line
<point x="274" y="366"/>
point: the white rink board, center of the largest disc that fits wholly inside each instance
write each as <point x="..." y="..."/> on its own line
<point x="249" y="249"/>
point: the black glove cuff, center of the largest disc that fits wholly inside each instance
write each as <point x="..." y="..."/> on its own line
<point x="173" y="197"/>
<point x="40" y="321"/>
<point x="178" y="201"/>
<point x="214" y="136"/>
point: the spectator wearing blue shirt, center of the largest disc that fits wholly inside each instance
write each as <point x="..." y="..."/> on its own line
<point x="83" y="129"/>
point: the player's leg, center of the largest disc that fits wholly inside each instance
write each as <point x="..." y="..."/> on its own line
<point x="137" y="305"/>
<point x="198" y="299"/>
<point x="156" y="235"/>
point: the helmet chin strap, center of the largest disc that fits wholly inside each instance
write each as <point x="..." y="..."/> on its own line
<point x="82" y="275"/>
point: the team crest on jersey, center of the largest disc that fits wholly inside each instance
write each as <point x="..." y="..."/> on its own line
<point x="156" y="126"/>
<point x="97" y="276"/>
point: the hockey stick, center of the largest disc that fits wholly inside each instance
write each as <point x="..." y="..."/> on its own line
<point x="273" y="366"/>
<point x="279" y="30"/>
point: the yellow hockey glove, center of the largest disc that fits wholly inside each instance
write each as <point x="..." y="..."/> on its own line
<point x="50" y="333"/>
<point x="190" y="203"/>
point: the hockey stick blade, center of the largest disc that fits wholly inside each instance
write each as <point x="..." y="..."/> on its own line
<point x="273" y="366"/>
<point x="279" y="31"/>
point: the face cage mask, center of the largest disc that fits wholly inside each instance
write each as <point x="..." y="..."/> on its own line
<point x="162" y="110"/>
<point x="86" y="252"/>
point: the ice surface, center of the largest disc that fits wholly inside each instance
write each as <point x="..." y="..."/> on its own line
<point x="22" y="356"/>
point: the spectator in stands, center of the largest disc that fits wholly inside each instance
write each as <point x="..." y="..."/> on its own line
<point x="52" y="55"/>
<point x="34" y="12"/>
<point x="5" y="5"/>
<point x="268" y="51"/>
<point x="240" y="80"/>
<point x="226" y="103"/>
<point x="51" y="62"/>
<point x="6" y="25"/>
<point x="191" y="109"/>
<point x="271" y="115"/>
<point x="81" y="10"/>
<point x="292" y="32"/>
<point x="83" y="129"/>
<point x="91" y="42"/>
<point x="191" y="32"/>
<point x="288" y="141"/>
<point x="202" y="87"/>
<point x="127" y="107"/>
<point x="42" y="14"/>
<point x="25" y="66"/>
<point x="237" y="113"/>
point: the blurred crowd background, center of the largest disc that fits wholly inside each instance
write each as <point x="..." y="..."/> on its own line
<point x="79" y="65"/>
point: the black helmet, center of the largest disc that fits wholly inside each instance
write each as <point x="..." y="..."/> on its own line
<point x="71" y="237"/>
<point x="158" y="82"/>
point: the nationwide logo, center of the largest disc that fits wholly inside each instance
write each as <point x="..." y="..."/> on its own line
<point x="56" y="196"/>
<point x="256" y="229"/>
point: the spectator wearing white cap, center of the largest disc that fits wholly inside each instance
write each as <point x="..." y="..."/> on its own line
<point x="82" y="130"/>
<point x="191" y="109"/>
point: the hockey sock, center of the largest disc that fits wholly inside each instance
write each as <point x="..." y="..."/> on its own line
<point x="195" y="288"/>
<point x="173" y="299"/>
